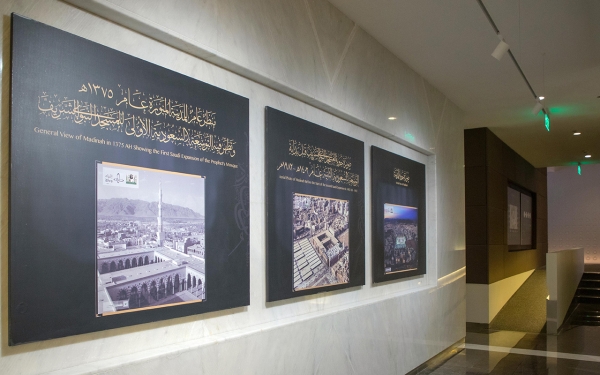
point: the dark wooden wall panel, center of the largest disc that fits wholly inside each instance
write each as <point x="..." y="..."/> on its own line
<point x="490" y="165"/>
<point x="496" y="258"/>
<point x="509" y="163"/>
<point x="475" y="186"/>
<point x="477" y="231"/>
<point x="496" y="223"/>
<point x="496" y="189"/>
<point x="476" y="262"/>
<point x="494" y="151"/>
<point x="475" y="152"/>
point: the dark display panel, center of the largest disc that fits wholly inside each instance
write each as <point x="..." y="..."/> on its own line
<point x="520" y="226"/>
<point x="398" y="200"/>
<point x="526" y="220"/>
<point x="129" y="190"/>
<point x="513" y="217"/>
<point x="315" y="208"/>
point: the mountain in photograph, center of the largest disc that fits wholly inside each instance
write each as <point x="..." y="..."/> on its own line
<point x="139" y="208"/>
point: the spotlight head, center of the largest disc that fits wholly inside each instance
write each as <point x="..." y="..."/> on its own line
<point x="537" y="108"/>
<point x="391" y="118"/>
<point x="500" y="50"/>
<point x="588" y="156"/>
<point x="576" y="133"/>
<point x="541" y="97"/>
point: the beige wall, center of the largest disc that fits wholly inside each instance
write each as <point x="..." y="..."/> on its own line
<point x="306" y="58"/>
<point x="573" y="215"/>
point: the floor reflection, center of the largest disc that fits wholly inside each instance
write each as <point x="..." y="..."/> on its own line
<point x="576" y="350"/>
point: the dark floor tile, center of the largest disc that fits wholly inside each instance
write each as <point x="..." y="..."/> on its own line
<point x="572" y="340"/>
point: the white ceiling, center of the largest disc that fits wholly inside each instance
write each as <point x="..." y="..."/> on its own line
<point x="556" y="42"/>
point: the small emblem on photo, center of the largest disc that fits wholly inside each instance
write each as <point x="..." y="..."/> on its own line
<point x="120" y="177"/>
<point x="131" y="179"/>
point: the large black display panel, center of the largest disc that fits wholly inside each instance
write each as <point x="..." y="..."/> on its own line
<point x="398" y="216"/>
<point x="315" y="208"/>
<point x="129" y="190"/>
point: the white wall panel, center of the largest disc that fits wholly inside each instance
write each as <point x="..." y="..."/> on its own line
<point x="573" y="215"/>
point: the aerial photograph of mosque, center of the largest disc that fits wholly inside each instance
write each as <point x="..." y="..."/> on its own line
<point x="321" y="241"/>
<point x="150" y="245"/>
<point x="400" y="238"/>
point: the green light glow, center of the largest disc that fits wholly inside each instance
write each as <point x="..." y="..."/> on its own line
<point x="567" y="110"/>
<point x="547" y="121"/>
<point x="409" y="136"/>
<point x="579" y="169"/>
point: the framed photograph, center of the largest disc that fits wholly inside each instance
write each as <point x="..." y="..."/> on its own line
<point x="520" y="218"/>
<point x="150" y="253"/>
<point x="128" y="190"/>
<point x="398" y="212"/>
<point x="315" y="208"/>
<point x="321" y="242"/>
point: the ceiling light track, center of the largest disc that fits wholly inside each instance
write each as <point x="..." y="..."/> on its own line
<point x="489" y="17"/>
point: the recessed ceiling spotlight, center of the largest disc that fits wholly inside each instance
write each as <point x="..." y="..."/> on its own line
<point x="576" y="133"/>
<point x="588" y="156"/>
<point x="541" y="97"/>
<point x="391" y="118"/>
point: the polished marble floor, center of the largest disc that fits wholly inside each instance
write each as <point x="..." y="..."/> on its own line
<point x="576" y="350"/>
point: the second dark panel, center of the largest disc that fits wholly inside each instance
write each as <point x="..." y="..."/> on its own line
<point x="315" y="208"/>
<point x="398" y="216"/>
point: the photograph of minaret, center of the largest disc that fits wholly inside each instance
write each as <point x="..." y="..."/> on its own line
<point x="150" y="243"/>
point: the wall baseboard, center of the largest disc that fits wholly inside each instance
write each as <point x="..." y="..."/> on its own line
<point x="440" y="358"/>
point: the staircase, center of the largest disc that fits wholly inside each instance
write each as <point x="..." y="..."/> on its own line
<point x="587" y="312"/>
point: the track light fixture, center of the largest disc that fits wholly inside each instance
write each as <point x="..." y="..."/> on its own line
<point x="504" y="48"/>
<point x="537" y="107"/>
<point x="501" y="48"/>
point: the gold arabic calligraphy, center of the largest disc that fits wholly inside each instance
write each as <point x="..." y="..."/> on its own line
<point x="319" y="154"/>
<point x="401" y="175"/>
<point x="336" y="175"/>
<point x="157" y="105"/>
<point x="322" y="172"/>
<point x="107" y="118"/>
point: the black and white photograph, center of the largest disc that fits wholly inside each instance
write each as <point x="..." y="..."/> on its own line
<point x="401" y="238"/>
<point x="321" y="242"/>
<point x="150" y="238"/>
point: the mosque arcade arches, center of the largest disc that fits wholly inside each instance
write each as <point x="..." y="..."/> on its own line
<point x="149" y="291"/>
<point x="122" y="263"/>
